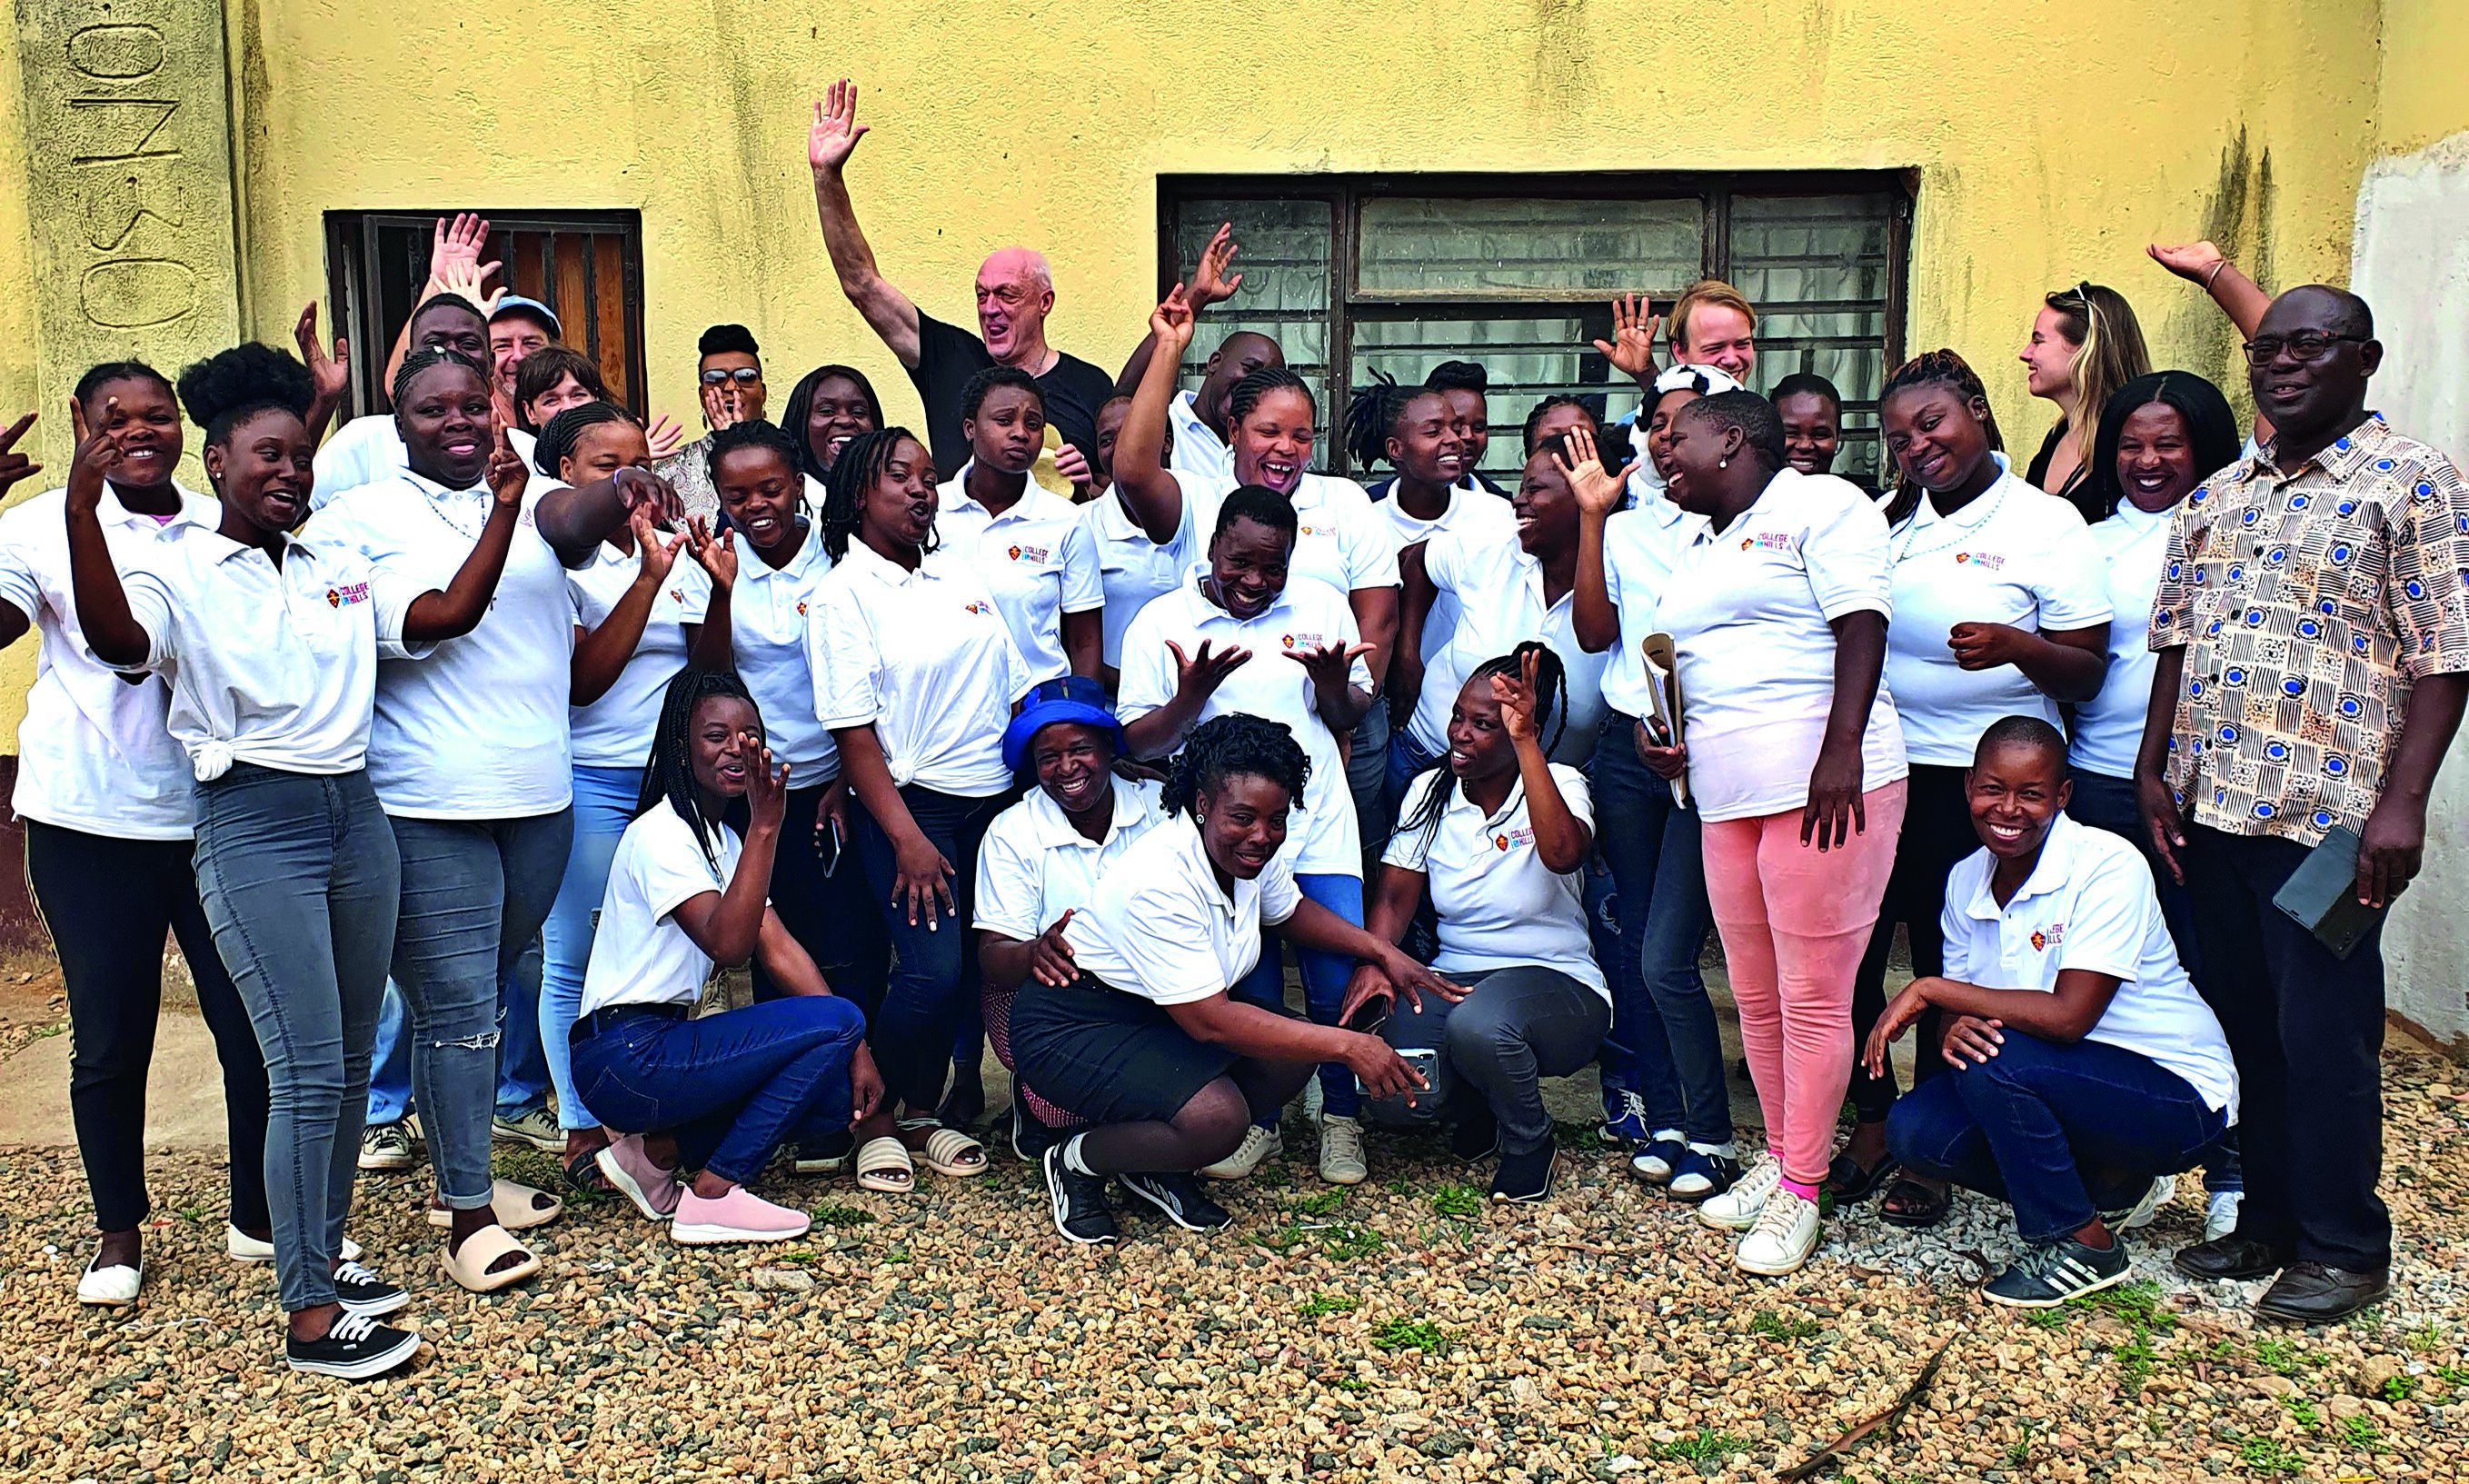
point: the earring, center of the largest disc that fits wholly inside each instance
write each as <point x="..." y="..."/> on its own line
<point x="1722" y="463"/>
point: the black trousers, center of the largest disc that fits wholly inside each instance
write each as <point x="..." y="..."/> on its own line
<point x="821" y="893"/>
<point x="1937" y="833"/>
<point x="108" y="904"/>
<point x="2307" y="1031"/>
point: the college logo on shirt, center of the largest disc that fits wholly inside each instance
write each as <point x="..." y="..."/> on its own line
<point x="347" y="593"/>
<point x="1986" y="561"/>
<point x="1313" y="530"/>
<point x="802" y="608"/>
<point x="1769" y="541"/>
<point x="1512" y="838"/>
<point x="977" y="606"/>
<point x="1299" y="642"/>
<point x="2041" y="943"/>
<point x="677" y="595"/>
<point x="1028" y="553"/>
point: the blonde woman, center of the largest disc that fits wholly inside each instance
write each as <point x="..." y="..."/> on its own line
<point x="2084" y="344"/>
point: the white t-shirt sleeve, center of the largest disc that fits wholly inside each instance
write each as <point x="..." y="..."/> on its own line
<point x="841" y="651"/>
<point x="1410" y="850"/>
<point x="1844" y="551"/>
<point x="669" y="866"/>
<point x="2112" y="914"/>
<point x="1148" y="672"/>
<point x="1576" y="792"/>
<point x="1279" y="895"/>
<point x="1169" y="954"/>
<point x="152" y="605"/>
<point x="1359" y="672"/>
<point x="1084" y="574"/>
<point x="1445" y="560"/>
<point x="18" y="588"/>
<point x="694" y="587"/>
<point x="1370" y="544"/>
<point x="1011" y="886"/>
<point x="2073" y="592"/>
<point x="1955" y="923"/>
<point x="393" y="597"/>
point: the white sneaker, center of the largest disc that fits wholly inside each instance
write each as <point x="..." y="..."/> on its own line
<point x="2156" y="1194"/>
<point x="2220" y="1214"/>
<point x="1258" y="1144"/>
<point x="1737" y="1209"/>
<point x="1784" y="1235"/>
<point x="111" y="1287"/>
<point x="1341" y="1152"/>
<point x="387" y="1146"/>
<point x="241" y="1247"/>
<point x="538" y="1128"/>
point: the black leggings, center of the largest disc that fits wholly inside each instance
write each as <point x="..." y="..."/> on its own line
<point x="108" y="904"/>
<point x="820" y="896"/>
<point x="1937" y="834"/>
<point x="1204" y="1131"/>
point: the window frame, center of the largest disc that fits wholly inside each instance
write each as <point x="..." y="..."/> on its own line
<point x="1347" y="193"/>
<point x="352" y="266"/>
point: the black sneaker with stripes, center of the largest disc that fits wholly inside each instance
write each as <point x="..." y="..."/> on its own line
<point x="1078" y="1200"/>
<point x="357" y="1348"/>
<point x="364" y="1292"/>
<point x="2053" y="1272"/>
<point x="1180" y="1199"/>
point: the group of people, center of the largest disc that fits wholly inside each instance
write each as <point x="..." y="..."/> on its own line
<point x="459" y="747"/>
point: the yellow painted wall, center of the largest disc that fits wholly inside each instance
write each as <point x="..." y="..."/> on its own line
<point x="17" y="389"/>
<point x="2052" y="140"/>
<point x="2425" y="88"/>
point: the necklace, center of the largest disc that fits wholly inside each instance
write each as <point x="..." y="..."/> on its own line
<point x="1901" y="549"/>
<point x="434" y="503"/>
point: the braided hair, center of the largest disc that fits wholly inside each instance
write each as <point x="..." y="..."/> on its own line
<point x="1550" y="700"/>
<point x="100" y="376"/>
<point x="801" y="406"/>
<point x="1246" y="394"/>
<point x="1934" y="368"/>
<point x="861" y="463"/>
<point x="424" y="358"/>
<point x="668" y="774"/>
<point x="565" y="430"/>
<point x="1755" y="418"/>
<point x="1235" y="744"/>
<point x="1373" y="416"/>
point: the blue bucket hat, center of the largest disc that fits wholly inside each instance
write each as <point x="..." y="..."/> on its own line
<point x="1074" y="698"/>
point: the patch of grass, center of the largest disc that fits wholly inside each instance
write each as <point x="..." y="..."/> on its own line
<point x="2137" y="1307"/>
<point x="1766" y="1324"/>
<point x="2304" y="1414"/>
<point x="2269" y="1455"/>
<point x="1319" y="1303"/>
<point x="1351" y="1383"/>
<point x="1348" y="1243"/>
<point x="192" y="1215"/>
<point x="1414" y="1334"/>
<point x="2360" y="1432"/>
<point x="1706" y="1443"/>
<point x="2427" y="1340"/>
<point x="1325" y="1203"/>
<point x="830" y="1214"/>
<point x="48" y="1032"/>
<point x="2453" y="1374"/>
<point x="897" y="1255"/>
<point x="1584" y="1138"/>
<point x="1458" y="1201"/>
<point x="2019" y="1454"/>
<point x="2400" y="1388"/>
<point x="2279" y="1356"/>
<point x="2045" y="1318"/>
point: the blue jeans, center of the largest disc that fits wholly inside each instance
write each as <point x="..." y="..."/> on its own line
<point x="2062" y="1132"/>
<point x="730" y="1088"/>
<point x="604" y="806"/>
<point x="300" y="881"/>
<point x="522" y="1061"/>
<point x="935" y="985"/>
<point x="474" y="894"/>
<point x="1406" y="760"/>
<point x="1324" y="976"/>
<point x="1660" y="1012"/>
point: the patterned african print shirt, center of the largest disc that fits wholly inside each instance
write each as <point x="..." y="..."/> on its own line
<point x="2309" y="604"/>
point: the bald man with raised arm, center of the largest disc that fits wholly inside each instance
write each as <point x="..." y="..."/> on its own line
<point x="1015" y="292"/>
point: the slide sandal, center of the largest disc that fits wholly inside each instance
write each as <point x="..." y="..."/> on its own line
<point x="883" y="1164"/>
<point x="470" y="1266"/>
<point x="947" y="1152"/>
<point x="516" y="1208"/>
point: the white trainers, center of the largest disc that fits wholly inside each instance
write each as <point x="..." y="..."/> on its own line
<point x="110" y="1288"/>
<point x="1258" y="1143"/>
<point x="1737" y="1209"/>
<point x="241" y="1247"/>
<point x="2158" y="1194"/>
<point x="387" y="1146"/>
<point x="1341" y="1152"/>
<point x="1783" y="1235"/>
<point x="2220" y="1214"/>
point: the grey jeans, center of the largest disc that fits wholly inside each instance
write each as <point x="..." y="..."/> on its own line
<point x="300" y="881"/>
<point x="1515" y="1027"/>
<point x="475" y="894"/>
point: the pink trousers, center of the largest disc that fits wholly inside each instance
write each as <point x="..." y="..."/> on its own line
<point x="1795" y="921"/>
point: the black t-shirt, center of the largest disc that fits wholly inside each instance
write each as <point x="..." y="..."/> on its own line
<point x="948" y="356"/>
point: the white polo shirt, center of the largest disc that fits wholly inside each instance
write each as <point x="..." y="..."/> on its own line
<point x="276" y="666"/>
<point x="1499" y="905"/>
<point x="1036" y="559"/>
<point x="640" y="955"/>
<point x="368" y="448"/>
<point x="616" y="730"/>
<point x="926" y="659"/>
<point x="1308" y="615"/>
<point x="1749" y="609"/>
<point x="1339" y="537"/>
<point x="2013" y="555"/>
<point x="477" y="728"/>
<point x="94" y="754"/>
<point x="1034" y="866"/>
<point x="2090" y="905"/>
<point x="769" y="611"/>
<point x="1483" y="516"/>
<point x="1160" y="927"/>
<point x="1131" y="568"/>
<point x="2109" y="729"/>
<point x="1498" y="588"/>
<point x="1641" y="546"/>
<point x="1197" y="448"/>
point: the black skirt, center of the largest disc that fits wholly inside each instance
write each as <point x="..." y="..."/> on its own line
<point x="1109" y="1055"/>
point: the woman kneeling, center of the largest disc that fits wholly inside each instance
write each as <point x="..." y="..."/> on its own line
<point x="2086" y="1068"/>
<point x="1126" y="1020"/>
<point x="1499" y="835"/>
<point x="714" y="1096"/>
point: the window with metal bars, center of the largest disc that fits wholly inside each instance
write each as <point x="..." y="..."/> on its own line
<point x="1354" y="274"/>
<point x="586" y="266"/>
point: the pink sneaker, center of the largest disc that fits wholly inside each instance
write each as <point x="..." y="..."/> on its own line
<point x="740" y="1216"/>
<point x="653" y="1190"/>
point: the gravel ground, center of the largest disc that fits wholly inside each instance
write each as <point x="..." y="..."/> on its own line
<point x="1403" y="1329"/>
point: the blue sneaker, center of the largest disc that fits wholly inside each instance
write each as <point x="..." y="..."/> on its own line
<point x="1655" y="1162"/>
<point x="1696" y="1177"/>
<point x="1625" y="1117"/>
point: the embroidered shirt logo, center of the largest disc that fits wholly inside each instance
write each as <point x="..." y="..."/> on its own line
<point x="1986" y="561"/>
<point x="2043" y="942"/>
<point x="1298" y="640"/>
<point x="1512" y="838"/>
<point x="977" y="606"/>
<point x="1028" y="553"/>
<point x="1773" y="541"/>
<point x="347" y="593"/>
<point x="802" y="608"/>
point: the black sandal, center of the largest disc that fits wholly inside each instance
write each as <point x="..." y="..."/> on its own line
<point x="583" y="1172"/>
<point x="1919" y="1206"/>
<point x="1852" y="1184"/>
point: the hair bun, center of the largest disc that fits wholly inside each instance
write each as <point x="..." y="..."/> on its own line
<point x="217" y="390"/>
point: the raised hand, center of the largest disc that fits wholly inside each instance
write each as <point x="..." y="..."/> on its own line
<point x="665" y="436"/>
<point x="767" y="787"/>
<point x="331" y="374"/>
<point x="723" y="406"/>
<point x="718" y="554"/>
<point x="1598" y="489"/>
<point x="835" y="131"/>
<point x="507" y="477"/>
<point x="13" y="464"/>
<point x="469" y="281"/>
<point x="2194" y="262"/>
<point x="647" y="494"/>
<point x="1210" y="284"/>
<point x="1050" y="958"/>
<point x="656" y="554"/>
<point x="1515" y="697"/>
<point x="458" y="241"/>
<point x="99" y="451"/>
<point x="1632" y="348"/>
<point x="1171" y="321"/>
<point x="1200" y="673"/>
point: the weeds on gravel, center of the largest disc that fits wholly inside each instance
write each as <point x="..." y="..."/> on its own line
<point x="2304" y="1414"/>
<point x="2360" y="1432"/>
<point x="1705" y="1444"/>
<point x="2453" y="1374"/>
<point x="2400" y="1388"/>
<point x="1463" y="1201"/>
<point x="1349" y="1243"/>
<point x="2136" y="1306"/>
<point x="1319" y="1303"/>
<point x="2269" y="1455"/>
<point x="2019" y="1454"/>
<point x="2427" y="1340"/>
<point x="2279" y="1356"/>
<point x="1325" y="1203"/>
<point x="829" y="1215"/>
<point x="1414" y="1334"/>
<point x="1766" y="1324"/>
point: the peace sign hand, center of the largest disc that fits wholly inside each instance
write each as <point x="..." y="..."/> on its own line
<point x="13" y="464"/>
<point x="1171" y="321"/>
<point x="1632" y="348"/>
<point x="835" y="131"/>
<point x="99" y="451"/>
<point x="1515" y="697"/>
<point x="507" y="476"/>
<point x="1598" y="489"/>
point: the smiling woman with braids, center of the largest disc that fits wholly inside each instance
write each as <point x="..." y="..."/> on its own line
<point x="1128" y="1020"/>
<point x="714" y="1096"/>
<point x="1499" y="836"/>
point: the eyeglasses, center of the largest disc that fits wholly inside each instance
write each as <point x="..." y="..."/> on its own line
<point x="742" y="376"/>
<point x="2307" y="345"/>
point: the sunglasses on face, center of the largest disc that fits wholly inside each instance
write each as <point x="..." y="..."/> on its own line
<point x="742" y="376"/>
<point x="2307" y="345"/>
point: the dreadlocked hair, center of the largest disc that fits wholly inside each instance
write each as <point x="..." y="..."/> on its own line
<point x="1934" y="368"/>
<point x="860" y="464"/>
<point x="427" y="357"/>
<point x="1373" y="416"/>
<point x="668" y="776"/>
<point x="565" y="430"/>
<point x="1233" y="745"/>
<point x="1551" y="702"/>
<point x="1247" y="393"/>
